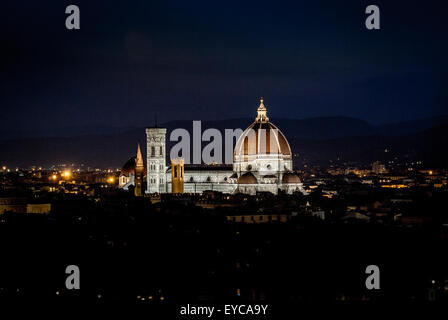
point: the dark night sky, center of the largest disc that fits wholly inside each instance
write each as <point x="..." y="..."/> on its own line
<point x="213" y="60"/>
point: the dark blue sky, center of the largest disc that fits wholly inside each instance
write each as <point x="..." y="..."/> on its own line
<point x="213" y="60"/>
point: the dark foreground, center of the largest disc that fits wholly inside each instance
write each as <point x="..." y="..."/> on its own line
<point x="172" y="254"/>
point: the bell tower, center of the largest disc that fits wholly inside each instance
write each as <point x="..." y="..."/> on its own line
<point x="156" y="159"/>
<point x="139" y="172"/>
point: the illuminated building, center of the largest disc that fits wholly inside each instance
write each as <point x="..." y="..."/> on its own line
<point x="177" y="175"/>
<point x="133" y="174"/>
<point x="262" y="158"/>
<point x="378" y="168"/>
<point x="156" y="160"/>
<point x="262" y="162"/>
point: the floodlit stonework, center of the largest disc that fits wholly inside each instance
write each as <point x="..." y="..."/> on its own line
<point x="262" y="162"/>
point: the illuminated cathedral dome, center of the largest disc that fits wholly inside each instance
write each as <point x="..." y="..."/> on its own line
<point x="262" y="147"/>
<point x="262" y="137"/>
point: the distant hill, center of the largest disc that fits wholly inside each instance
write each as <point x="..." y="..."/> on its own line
<point x="428" y="146"/>
<point x="409" y="127"/>
<point x="65" y="132"/>
<point x="311" y="128"/>
<point x="316" y="140"/>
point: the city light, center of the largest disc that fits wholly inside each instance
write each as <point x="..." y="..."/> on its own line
<point x="67" y="174"/>
<point x="111" y="180"/>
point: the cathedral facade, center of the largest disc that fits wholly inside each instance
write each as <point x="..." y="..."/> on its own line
<point x="262" y="162"/>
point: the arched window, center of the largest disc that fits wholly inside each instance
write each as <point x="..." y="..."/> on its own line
<point x="153" y="151"/>
<point x="209" y="179"/>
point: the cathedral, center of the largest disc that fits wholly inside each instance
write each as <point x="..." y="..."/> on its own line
<point x="133" y="173"/>
<point x="262" y="162"/>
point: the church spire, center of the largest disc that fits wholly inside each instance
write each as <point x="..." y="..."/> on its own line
<point x="139" y="158"/>
<point x="138" y="173"/>
<point x="261" y="113"/>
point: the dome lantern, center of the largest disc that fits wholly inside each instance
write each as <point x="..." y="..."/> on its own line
<point x="262" y="139"/>
<point x="262" y="113"/>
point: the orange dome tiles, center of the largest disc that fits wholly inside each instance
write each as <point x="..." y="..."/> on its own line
<point x="247" y="178"/>
<point x="129" y="167"/>
<point x="258" y="139"/>
<point x="290" y="178"/>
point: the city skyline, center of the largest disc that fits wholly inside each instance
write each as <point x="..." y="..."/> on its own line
<point x="224" y="158"/>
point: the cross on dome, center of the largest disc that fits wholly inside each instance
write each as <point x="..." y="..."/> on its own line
<point x="261" y="113"/>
